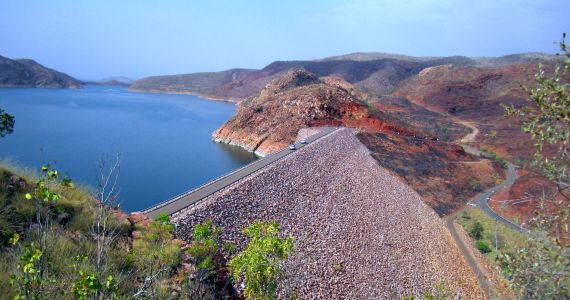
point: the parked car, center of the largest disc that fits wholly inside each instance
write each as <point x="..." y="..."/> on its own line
<point x="292" y="147"/>
<point x="303" y="142"/>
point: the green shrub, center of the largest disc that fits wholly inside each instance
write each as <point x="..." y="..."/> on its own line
<point x="203" y="248"/>
<point x="477" y="230"/>
<point x="259" y="262"/>
<point x="482" y="246"/>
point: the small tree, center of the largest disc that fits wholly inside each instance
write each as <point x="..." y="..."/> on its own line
<point x="105" y="229"/>
<point x="203" y="248"/>
<point x="28" y="279"/>
<point x="156" y="253"/>
<point x="6" y="123"/>
<point x="476" y="231"/>
<point x="541" y="268"/>
<point x="44" y="196"/>
<point x="548" y="121"/>
<point x="258" y="264"/>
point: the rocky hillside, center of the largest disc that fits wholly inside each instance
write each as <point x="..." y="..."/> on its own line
<point x="475" y="94"/>
<point x="374" y="73"/>
<point x="440" y="171"/>
<point x="298" y="99"/>
<point x="225" y="85"/>
<point x="29" y="73"/>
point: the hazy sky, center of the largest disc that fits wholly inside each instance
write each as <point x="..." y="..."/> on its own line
<point x="96" y="39"/>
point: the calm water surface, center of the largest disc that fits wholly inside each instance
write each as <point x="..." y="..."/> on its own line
<point x="164" y="140"/>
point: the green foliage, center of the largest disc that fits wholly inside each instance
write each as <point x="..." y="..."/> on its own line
<point x="155" y="255"/>
<point x="539" y="269"/>
<point x="43" y="191"/>
<point x="6" y="123"/>
<point x="477" y="230"/>
<point x="203" y="248"/>
<point x="548" y="120"/>
<point x="482" y="246"/>
<point x="88" y="285"/>
<point x="259" y="262"/>
<point x="28" y="280"/>
<point x="56" y="273"/>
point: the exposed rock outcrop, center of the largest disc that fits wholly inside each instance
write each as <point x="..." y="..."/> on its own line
<point x="298" y="99"/>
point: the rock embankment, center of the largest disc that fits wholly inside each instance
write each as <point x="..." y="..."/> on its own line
<point x="360" y="232"/>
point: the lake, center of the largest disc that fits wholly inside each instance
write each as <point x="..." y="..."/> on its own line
<point x="164" y="140"/>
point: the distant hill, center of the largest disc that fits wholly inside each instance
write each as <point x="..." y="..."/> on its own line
<point x="122" y="79"/>
<point x="29" y="73"/>
<point x="373" y="73"/>
<point x="227" y="84"/>
<point x="477" y="61"/>
<point x="111" y="81"/>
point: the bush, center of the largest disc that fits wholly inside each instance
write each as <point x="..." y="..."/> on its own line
<point x="259" y="262"/>
<point x="482" y="246"/>
<point x="476" y="231"/>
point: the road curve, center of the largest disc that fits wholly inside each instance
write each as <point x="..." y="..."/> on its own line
<point x="186" y="199"/>
<point x="480" y="200"/>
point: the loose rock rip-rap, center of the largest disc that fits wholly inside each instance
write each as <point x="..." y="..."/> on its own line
<point x="360" y="232"/>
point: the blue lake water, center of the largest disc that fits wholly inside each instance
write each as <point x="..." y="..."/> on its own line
<point x="164" y="140"/>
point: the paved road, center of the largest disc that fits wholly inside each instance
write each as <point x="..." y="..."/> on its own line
<point x="483" y="282"/>
<point x="482" y="200"/>
<point x="182" y="201"/>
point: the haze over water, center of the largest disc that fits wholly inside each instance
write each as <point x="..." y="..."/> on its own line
<point x="164" y="140"/>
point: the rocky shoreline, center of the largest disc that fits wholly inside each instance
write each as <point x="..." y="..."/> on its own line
<point x="204" y="96"/>
<point x="360" y="232"/>
<point x="239" y="144"/>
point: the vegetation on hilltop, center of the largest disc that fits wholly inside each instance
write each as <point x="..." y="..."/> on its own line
<point x="110" y="256"/>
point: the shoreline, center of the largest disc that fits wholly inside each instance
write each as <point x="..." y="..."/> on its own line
<point x="240" y="145"/>
<point x="207" y="97"/>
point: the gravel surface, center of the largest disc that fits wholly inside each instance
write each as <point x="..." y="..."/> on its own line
<point x="360" y="232"/>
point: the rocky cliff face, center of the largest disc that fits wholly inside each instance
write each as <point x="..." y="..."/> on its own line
<point x="270" y="121"/>
<point x="29" y="73"/>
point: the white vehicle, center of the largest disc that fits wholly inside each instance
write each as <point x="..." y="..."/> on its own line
<point x="292" y="147"/>
<point x="303" y="142"/>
